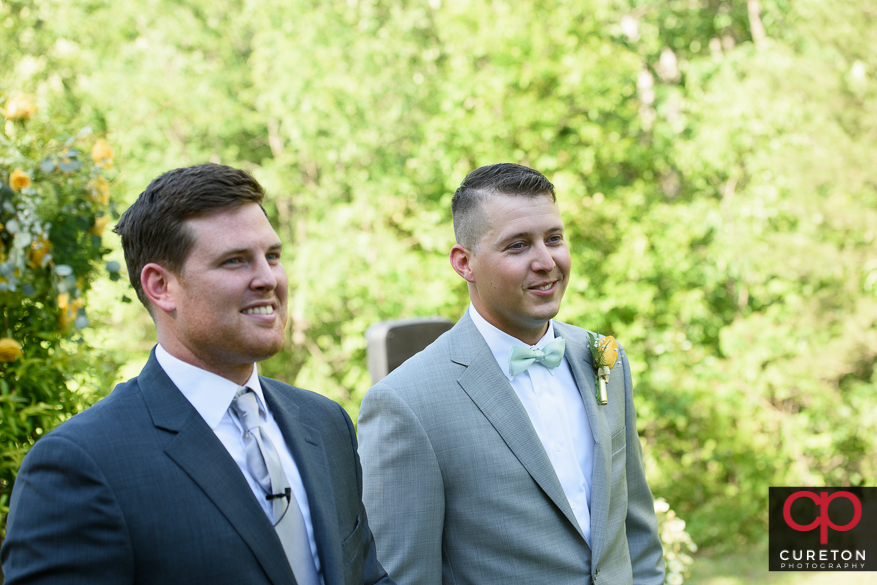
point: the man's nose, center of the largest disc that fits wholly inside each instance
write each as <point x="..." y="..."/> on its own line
<point x="264" y="277"/>
<point x="543" y="261"/>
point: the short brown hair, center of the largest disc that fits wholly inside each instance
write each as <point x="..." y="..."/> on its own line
<point x="152" y="229"/>
<point x="470" y="221"/>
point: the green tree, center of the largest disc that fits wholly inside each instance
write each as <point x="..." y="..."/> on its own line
<point x="713" y="162"/>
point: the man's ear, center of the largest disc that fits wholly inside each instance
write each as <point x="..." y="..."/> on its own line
<point x="157" y="282"/>
<point x="461" y="261"/>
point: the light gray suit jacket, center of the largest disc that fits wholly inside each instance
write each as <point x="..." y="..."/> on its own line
<point x="459" y="489"/>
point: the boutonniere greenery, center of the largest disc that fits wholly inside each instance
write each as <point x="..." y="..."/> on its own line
<point x="604" y="352"/>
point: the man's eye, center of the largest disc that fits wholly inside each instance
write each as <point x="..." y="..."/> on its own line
<point x="232" y="261"/>
<point x="517" y="246"/>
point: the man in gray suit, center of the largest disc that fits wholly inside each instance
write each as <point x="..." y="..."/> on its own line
<point x="481" y="470"/>
<point x="198" y="470"/>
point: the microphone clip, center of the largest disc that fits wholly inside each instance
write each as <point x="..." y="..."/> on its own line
<point x="287" y="493"/>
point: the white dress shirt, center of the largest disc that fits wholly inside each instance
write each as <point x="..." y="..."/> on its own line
<point x="553" y="402"/>
<point x="211" y="395"/>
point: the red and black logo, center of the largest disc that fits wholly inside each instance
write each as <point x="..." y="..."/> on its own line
<point x="823" y="529"/>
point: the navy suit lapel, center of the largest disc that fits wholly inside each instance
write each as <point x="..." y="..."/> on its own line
<point x="198" y="452"/>
<point x="307" y="447"/>
<point x="491" y="391"/>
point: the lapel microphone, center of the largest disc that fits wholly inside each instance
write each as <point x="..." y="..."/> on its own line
<point x="287" y="493"/>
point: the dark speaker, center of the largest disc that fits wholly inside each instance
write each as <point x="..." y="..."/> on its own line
<point x="390" y="343"/>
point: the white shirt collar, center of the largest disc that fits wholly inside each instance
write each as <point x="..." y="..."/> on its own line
<point x="210" y="394"/>
<point x="501" y="343"/>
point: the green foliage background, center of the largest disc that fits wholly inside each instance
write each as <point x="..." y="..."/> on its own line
<point x="714" y="161"/>
<point x="51" y="248"/>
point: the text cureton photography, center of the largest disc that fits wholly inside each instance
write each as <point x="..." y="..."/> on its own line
<point x="823" y="529"/>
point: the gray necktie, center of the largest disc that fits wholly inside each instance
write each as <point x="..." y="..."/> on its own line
<point x="265" y="466"/>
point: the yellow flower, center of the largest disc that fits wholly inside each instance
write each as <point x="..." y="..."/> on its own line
<point x="20" y="107"/>
<point x="69" y="311"/>
<point x="38" y="251"/>
<point x="63" y="300"/>
<point x="18" y="180"/>
<point x="99" y="224"/>
<point x="102" y="153"/>
<point x="10" y="350"/>
<point x="99" y="190"/>
<point x="609" y="352"/>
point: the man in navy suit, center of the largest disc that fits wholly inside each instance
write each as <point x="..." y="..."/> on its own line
<point x="154" y="484"/>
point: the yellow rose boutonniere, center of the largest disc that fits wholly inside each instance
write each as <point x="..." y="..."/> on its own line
<point x="604" y="351"/>
<point x="10" y="350"/>
<point x="18" y="180"/>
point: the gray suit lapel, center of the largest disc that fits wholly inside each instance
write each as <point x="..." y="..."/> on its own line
<point x="306" y="445"/>
<point x="579" y="358"/>
<point x="491" y="391"/>
<point x="198" y="452"/>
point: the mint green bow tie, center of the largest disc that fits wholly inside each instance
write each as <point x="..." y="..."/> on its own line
<point x="523" y="357"/>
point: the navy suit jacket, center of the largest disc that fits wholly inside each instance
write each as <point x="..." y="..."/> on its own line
<point x="138" y="489"/>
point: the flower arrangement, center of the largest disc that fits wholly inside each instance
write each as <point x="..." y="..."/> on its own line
<point x="677" y="544"/>
<point x="55" y="205"/>
<point x="54" y="208"/>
